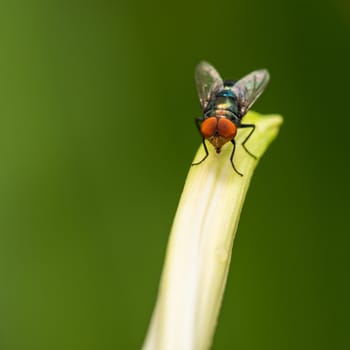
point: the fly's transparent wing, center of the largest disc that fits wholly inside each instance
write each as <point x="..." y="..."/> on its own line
<point x="249" y="88"/>
<point x="208" y="82"/>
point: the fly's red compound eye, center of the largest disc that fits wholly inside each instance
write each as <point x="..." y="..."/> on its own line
<point x="226" y="128"/>
<point x="208" y="127"/>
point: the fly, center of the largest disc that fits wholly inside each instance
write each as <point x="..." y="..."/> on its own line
<point x="224" y="104"/>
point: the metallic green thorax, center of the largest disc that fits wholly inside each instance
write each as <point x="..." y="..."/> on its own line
<point x="224" y="105"/>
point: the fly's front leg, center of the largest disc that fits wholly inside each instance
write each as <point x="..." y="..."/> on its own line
<point x="247" y="138"/>
<point x="198" y="124"/>
<point x="206" y="153"/>
<point x="231" y="158"/>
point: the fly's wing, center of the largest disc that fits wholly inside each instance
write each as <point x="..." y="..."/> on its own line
<point x="208" y="82"/>
<point x="249" y="88"/>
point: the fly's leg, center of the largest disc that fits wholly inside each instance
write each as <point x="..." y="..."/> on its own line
<point x="198" y="124"/>
<point x="206" y="153"/>
<point x="247" y="138"/>
<point x="231" y="158"/>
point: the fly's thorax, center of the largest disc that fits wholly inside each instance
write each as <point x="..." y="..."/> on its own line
<point x="223" y="113"/>
<point x="225" y="99"/>
<point x="224" y="102"/>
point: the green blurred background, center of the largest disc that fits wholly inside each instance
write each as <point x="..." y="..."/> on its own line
<point x="97" y="102"/>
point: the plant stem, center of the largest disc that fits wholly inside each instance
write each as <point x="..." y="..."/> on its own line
<point x="201" y="239"/>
